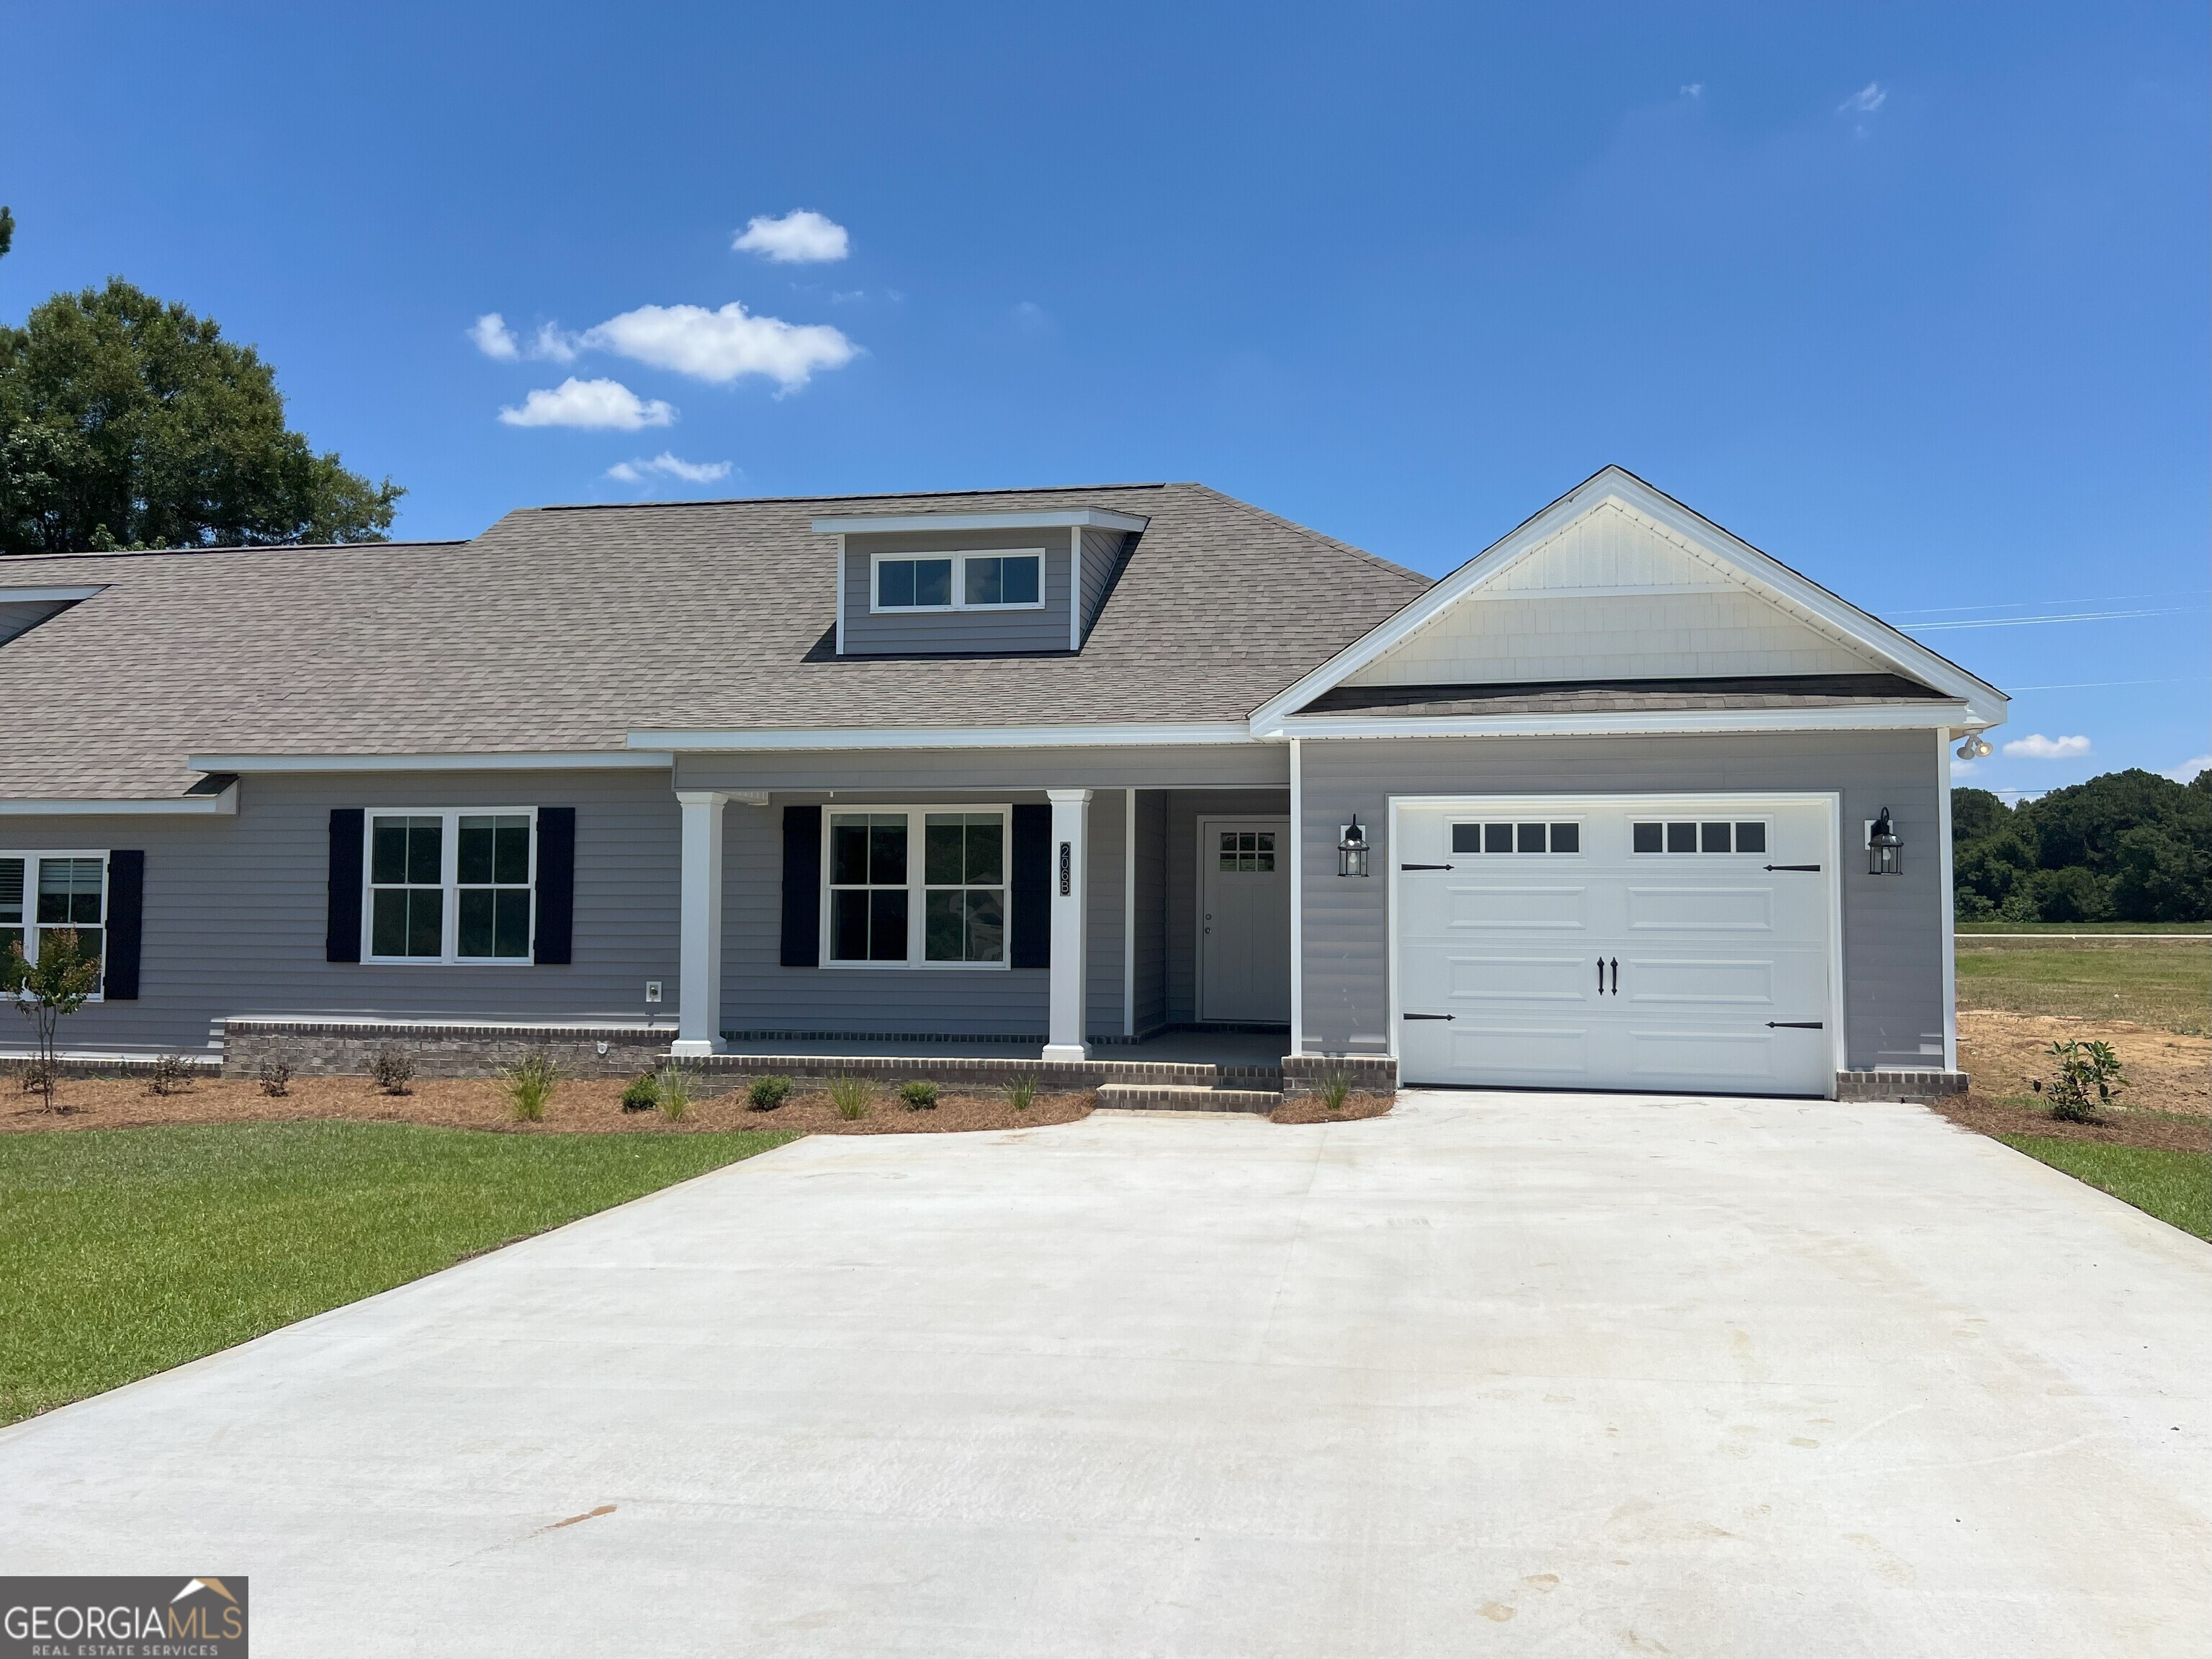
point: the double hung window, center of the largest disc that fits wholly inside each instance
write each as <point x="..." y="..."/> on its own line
<point x="42" y="894"/>
<point x="887" y="906"/>
<point x="450" y="887"/>
<point x="960" y="581"/>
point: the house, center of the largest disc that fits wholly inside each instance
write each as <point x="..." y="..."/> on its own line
<point x="1068" y="776"/>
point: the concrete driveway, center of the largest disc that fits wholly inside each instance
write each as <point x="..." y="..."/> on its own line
<point x="1506" y="1373"/>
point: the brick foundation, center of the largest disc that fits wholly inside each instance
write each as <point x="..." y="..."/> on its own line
<point x="337" y="1048"/>
<point x="1369" y="1075"/>
<point x="1899" y="1085"/>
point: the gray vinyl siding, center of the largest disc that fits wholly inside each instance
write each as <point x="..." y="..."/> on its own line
<point x="236" y="908"/>
<point x="935" y="772"/>
<point x="1152" y="944"/>
<point x="1184" y="809"/>
<point x="1893" y="943"/>
<point x="1103" y="552"/>
<point x="869" y="633"/>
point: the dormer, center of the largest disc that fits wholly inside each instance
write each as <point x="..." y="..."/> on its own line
<point x="974" y="584"/>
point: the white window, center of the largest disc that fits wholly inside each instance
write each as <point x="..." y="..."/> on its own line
<point x="1009" y="580"/>
<point x="1736" y="835"/>
<point x="449" y="885"/>
<point x="1517" y="837"/>
<point x="891" y="902"/>
<point x="43" y="893"/>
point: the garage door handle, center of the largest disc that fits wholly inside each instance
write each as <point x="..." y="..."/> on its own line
<point x="1425" y="866"/>
<point x="1792" y="867"/>
<point x="1795" y="1025"/>
<point x="1428" y="1017"/>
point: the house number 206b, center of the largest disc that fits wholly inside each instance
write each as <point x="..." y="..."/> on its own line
<point x="1067" y="868"/>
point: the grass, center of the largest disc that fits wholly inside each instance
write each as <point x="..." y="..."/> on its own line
<point x="2175" y="1187"/>
<point x="2118" y="929"/>
<point x="2161" y="981"/>
<point x="129" y="1251"/>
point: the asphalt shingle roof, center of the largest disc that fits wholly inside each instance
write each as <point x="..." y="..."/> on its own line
<point x="563" y="628"/>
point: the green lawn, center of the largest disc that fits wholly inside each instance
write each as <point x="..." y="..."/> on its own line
<point x="2175" y="1187"/>
<point x="2156" y="980"/>
<point x="2118" y="929"/>
<point x="124" y="1252"/>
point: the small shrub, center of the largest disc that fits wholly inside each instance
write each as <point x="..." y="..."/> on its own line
<point x="920" y="1096"/>
<point x="643" y="1093"/>
<point x="530" y="1084"/>
<point x="392" y="1069"/>
<point x="2088" y="1078"/>
<point x="36" y="1076"/>
<point x="672" y="1092"/>
<point x="169" y="1076"/>
<point x="767" y="1093"/>
<point x="277" y="1075"/>
<point x="1022" y="1090"/>
<point x="1333" y="1085"/>
<point x="852" y="1096"/>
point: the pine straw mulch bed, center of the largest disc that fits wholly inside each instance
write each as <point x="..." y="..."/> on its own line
<point x="588" y="1106"/>
<point x="2166" y="1131"/>
<point x="2005" y="1053"/>
<point x="1310" y="1108"/>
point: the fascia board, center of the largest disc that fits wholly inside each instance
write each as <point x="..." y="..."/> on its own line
<point x="223" y="804"/>
<point x="548" y="761"/>
<point x="1869" y="632"/>
<point x="799" y="740"/>
<point x="1091" y="518"/>
<point x="1918" y="716"/>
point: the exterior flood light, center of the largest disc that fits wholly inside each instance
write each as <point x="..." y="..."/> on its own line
<point x="1975" y="748"/>
<point x="1352" y="848"/>
<point x="1884" y="851"/>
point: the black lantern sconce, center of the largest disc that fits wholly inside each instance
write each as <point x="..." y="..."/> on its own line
<point x="1884" y="851"/>
<point x="1352" y="848"/>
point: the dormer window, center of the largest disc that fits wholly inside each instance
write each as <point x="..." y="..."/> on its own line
<point x="960" y="581"/>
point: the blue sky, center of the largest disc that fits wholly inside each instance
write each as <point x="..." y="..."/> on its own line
<point x="1912" y="297"/>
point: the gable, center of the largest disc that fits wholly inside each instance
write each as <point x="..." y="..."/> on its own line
<point x="1613" y="595"/>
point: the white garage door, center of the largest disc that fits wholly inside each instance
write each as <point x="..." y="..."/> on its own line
<point x="1619" y="942"/>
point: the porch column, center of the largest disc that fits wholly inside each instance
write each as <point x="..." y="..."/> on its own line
<point x="1070" y="816"/>
<point x="699" y="1016"/>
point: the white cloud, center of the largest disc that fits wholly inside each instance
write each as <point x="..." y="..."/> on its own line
<point x="800" y="238"/>
<point x="550" y="343"/>
<point x="597" y="403"/>
<point x="1865" y="101"/>
<point x="2036" y="746"/>
<point x="723" y="345"/>
<point x="669" y="466"/>
<point x="2187" y="771"/>
<point x="494" y="339"/>
<point x="1694" y="90"/>
<point x="1964" y="769"/>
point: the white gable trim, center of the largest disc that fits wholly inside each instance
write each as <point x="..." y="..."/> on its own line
<point x="1985" y="705"/>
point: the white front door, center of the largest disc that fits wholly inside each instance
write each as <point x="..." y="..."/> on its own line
<point x="1244" y="919"/>
<point x="1617" y="943"/>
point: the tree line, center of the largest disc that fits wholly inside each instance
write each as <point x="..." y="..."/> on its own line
<point x="126" y="423"/>
<point x="2125" y="847"/>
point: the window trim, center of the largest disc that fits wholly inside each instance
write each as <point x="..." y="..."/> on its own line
<point x="449" y="861"/>
<point x="959" y="581"/>
<point x="917" y="887"/>
<point x="31" y="855"/>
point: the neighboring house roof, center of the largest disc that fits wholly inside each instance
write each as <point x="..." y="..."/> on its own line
<point x="561" y="629"/>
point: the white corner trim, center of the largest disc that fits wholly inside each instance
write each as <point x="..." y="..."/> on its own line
<point x="839" y="631"/>
<point x="630" y="759"/>
<point x="1129" y="912"/>
<point x="1950" y="901"/>
<point x="909" y="523"/>
<point x="1297" y="903"/>
<point x="1075" y="589"/>
<point x="222" y="804"/>
<point x="803" y="739"/>
<point x="40" y="595"/>
<point x="1869" y="632"/>
<point x="1881" y="717"/>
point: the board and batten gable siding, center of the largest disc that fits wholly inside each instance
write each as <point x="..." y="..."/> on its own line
<point x="1893" y="943"/>
<point x="236" y="908"/>
<point x="759" y="994"/>
<point x="870" y="633"/>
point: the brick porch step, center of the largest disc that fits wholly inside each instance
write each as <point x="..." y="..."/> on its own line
<point x="1171" y="1098"/>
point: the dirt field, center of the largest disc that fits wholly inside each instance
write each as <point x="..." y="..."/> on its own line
<point x="2166" y="1072"/>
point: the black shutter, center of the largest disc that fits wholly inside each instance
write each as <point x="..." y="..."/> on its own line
<point x="802" y="887"/>
<point x="126" y="901"/>
<point x="1031" y="945"/>
<point x="343" y="941"/>
<point x="556" y="885"/>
